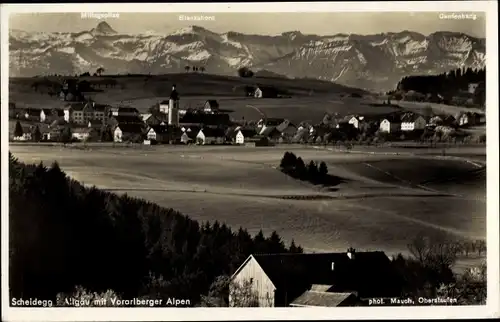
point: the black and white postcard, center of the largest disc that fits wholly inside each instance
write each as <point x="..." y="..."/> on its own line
<point x="249" y="161"/>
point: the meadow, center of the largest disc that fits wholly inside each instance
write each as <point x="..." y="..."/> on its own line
<point x="382" y="203"/>
<point x="310" y="99"/>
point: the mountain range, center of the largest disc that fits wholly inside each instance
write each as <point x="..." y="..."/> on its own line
<point x="374" y="62"/>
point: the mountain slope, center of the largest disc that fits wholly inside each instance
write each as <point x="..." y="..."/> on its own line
<point x="374" y="62"/>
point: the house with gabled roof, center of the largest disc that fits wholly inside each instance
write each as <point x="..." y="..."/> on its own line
<point x="241" y="135"/>
<point x="164" y="134"/>
<point x="268" y="124"/>
<point x="156" y="119"/>
<point x="50" y="114"/>
<point x="124" y="111"/>
<point x="390" y="124"/>
<point x="81" y="133"/>
<point x="115" y="120"/>
<point x="95" y="124"/>
<point x="211" y="136"/>
<point x="412" y="122"/>
<point x="279" y="279"/>
<point x="32" y="114"/>
<point x="211" y="106"/>
<point x="262" y="91"/>
<point x="128" y="132"/>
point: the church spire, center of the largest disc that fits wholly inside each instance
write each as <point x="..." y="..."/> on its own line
<point x="174" y="95"/>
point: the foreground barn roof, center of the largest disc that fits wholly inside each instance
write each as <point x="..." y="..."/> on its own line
<point x="323" y="299"/>
<point x="368" y="273"/>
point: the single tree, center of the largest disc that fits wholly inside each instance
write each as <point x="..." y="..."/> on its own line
<point x="323" y="169"/>
<point x="312" y="170"/>
<point x="300" y="168"/>
<point x="202" y="69"/>
<point x="187" y="68"/>
<point x="481" y="247"/>
<point x="37" y="135"/>
<point x="99" y="71"/>
<point x="18" y="131"/>
<point x="245" y="72"/>
<point x="66" y="135"/>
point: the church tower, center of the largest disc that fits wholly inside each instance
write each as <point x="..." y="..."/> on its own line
<point x="173" y="108"/>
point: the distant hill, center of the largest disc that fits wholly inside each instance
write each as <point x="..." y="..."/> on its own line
<point x="375" y="62"/>
<point x="268" y="74"/>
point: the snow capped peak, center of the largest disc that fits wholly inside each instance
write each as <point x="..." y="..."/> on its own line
<point x="186" y="30"/>
<point x="292" y="34"/>
<point x="104" y="28"/>
<point x="351" y="59"/>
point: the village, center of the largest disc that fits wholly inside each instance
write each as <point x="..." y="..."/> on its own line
<point x="84" y="120"/>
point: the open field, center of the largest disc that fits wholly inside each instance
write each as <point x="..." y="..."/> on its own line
<point x="310" y="100"/>
<point x="241" y="187"/>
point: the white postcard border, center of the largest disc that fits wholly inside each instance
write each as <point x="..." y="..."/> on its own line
<point x="160" y="314"/>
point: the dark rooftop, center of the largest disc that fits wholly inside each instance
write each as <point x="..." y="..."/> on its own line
<point x="212" y="103"/>
<point x="218" y="133"/>
<point x="366" y="272"/>
<point x="323" y="299"/>
<point x="131" y="128"/>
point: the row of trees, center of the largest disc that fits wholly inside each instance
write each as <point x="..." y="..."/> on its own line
<point x="98" y="72"/>
<point x="64" y="235"/>
<point x="194" y="69"/>
<point x="64" y="134"/>
<point x="447" y="85"/>
<point x="428" y="272"/>
<point x="295" y="167"/>
<point x="425" y="273"/>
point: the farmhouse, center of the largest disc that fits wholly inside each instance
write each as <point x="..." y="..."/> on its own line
<point x="464" y="119"/>
<point x="81" y="133"/>
<point x="435" y="120"/>
<point x="414" y="96"/>
<point x="355" y="120"/>
<point x="157" y="119"/>
<point x="271" y="133"/>
<point x="472" y="87"/>
<point x="32" y="114"/>
<point x="116" y="120"/>
<point x="210" y="136"/>
<point x="241" y="135"/>
<point x="211" y="106"/>
<point x="449" y="120"/>
<point x="412" y="122"/>
<point x="128" y="132"/>
<point x="266" y="92"/>
<point x="185" y="138"/>
<point x="95" y="124"/>
<point x="390" y="124"/>
<point x="124" y="111"/>
<point x="319" y="134"/>
<point x="163" y="107"/>
<point x="158" y="133"/>
<point x="82" y="113"/>
<point x="201" y="119"/>
<point x="264" y="125"/>
<point x="49" y="115"/>
<point x="280" y="279"/>
<point x="13" y="111"/>
<point x="71" y="95"/>
<point x="287" y="129"/>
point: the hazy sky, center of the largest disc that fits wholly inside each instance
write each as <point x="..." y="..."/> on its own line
<point x="259" y="23"/>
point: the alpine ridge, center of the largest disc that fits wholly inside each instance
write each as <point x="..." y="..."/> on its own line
<point x="374" y="62"/>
